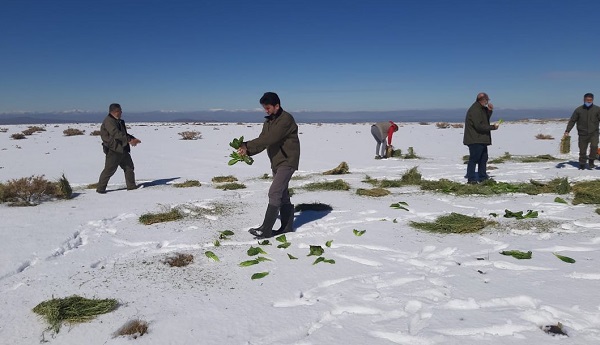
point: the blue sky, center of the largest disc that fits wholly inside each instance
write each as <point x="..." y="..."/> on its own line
<point x="318" y="55"/>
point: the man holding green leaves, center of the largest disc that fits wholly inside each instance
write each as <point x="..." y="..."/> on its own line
<point x="279" y="136"/>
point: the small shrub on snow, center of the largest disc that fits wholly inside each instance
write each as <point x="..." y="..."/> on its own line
<point x="190" y="135"/>
<point x="69" y="132"/>
<point x="18" y="136"/>
<point x="133" y="328"/>
<point x="30" y="191"/>
<point x="544" y="137"/>
<point x="161" y="217"/>
<point x="179" y="260"/>
<point x="187" y="183"/>
<point x="221" y="179"/>
<point x="95" y="133"/>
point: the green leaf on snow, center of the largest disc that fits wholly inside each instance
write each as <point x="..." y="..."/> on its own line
<point x="565" y="258"/>
<point x="284" y="245"/>
<point x="517" y="254"/>
<point x="249" y="263"/>
<point x="259" y="275"/>
<point x="211" y="255"/>
<point x="292" y="257"/>
<point x="400" y="205"/>
<point x="217" y="243"/>
<point x="560" y="200"/>
<point x="316" y="251"/>
<point x="281" y="239"/>
<point x="255" y="251"/>
<point x="359" y="233"/>
<point x="328" y="243"/>
<point x="264" y="243"/>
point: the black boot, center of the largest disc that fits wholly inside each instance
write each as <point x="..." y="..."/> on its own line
<point x="287" y="220"/>
<point x="266" y="229"/>
<point x="591" y="164"/>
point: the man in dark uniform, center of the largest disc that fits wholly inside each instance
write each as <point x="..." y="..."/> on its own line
<point x="116" y="145"/>
<point x="279" y="136"/>
<point x="478" y="137"/>
<point x="587" y="118"/>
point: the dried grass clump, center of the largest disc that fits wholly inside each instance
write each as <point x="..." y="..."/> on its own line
<point x="231" y="186"/>
<point x="133" y="328"/>
<point x="3" y="129"/>
<point x="315" y="206"/>
<point x="28" y="132"/>
<point x="374" y="192"/>
<point x="69" y="132"/>
<point x="442" y="125"/>
<point x="457" y="125"/>
<point x="30" y="191"/>
<point x="544" y="137"/>
<point x="179" y="260"/>
<point x="190" y="135"/>
<point x="187" y="184"/>
<point x="411" y="154"/>
<point x="95" y="133"/>
<point x="328" y="185"/>
<point x="221" y="179"/>
<point x="586" y="192"/>
<point x="412" y="177"/>
<point x="565" y="144"/>
<point x="454" y="223"/>
<point x="161" y="217"/>
<point x="341" y="169"/>
<point x="74" y="309"/>
<point x="385" y="183"/>
<point x="17" y="136"/>
<point x="424" y="123"/>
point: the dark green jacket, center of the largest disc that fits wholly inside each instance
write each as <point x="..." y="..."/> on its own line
<point x="587" y="120"/>
<point x="477" y="125"/>
<point x="279" y="136"/>
<point x="114" y="134"/>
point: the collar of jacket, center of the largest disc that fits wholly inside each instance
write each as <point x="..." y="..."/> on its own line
<point x="588" y="108"/>
<point x="276" y="115"/>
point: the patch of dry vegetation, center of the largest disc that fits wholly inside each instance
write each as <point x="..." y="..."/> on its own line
<point x="221" y="179"/>
<point x="32" y="190"/>
<point x="133" y="328"/>
<point x="179" y="260"/>
<point x="18" y="136"/>
<point x="69" y="132"/>
<point x="190" y="135"/>
<point x="160" y="217"/>
<point x="544" y="137"/>
<point x="187" y="184"/>
<point x="341" y="169"/>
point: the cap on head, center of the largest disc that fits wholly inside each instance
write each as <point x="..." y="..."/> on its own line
<point x="114" y="107"/>
<point x="270" y="98"/>
<point x="589" y="95"/>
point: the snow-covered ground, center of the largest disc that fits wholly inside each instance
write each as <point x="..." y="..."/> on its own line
<point x="392" y="285"/>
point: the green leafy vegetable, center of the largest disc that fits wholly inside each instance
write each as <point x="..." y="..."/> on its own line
<point x="322" y="259"/>
<point x="284" y="245"/>
<point x="400" y="205"/>
<point x="224" y="235"/>
<point x="359" y="233"/>
<point x="560" y="200"/>
<point x="264" y="243"/>
<point x="217" y="243"/>
<point x="259" y="275"/>
<point x="292" y="257"/>
<point x="255" y="251"/>
<point x="316" y="251"/>
<point x="211" y="255"/>
<point x="517" y="254"/>
<point x="520" y="215"/>
<point x="249" y="263"/>
<point x="328" y="243"/>
<point x="236" y="157"/>
<point x="262" y="258"/>
<point x="565" y="258"/>
<point x="281" y="239"/>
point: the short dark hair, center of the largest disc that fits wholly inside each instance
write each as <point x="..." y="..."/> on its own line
<point x="113" y="107"/>
<point x="270" y="98"/>
<point x="589" y="94"/>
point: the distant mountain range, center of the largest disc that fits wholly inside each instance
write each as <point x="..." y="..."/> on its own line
<point x="441" y="115"/>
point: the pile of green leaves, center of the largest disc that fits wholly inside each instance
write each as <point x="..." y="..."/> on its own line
<point x="520" y="215"/>
<point x="236" y="143"/>
<point x="74" y="309"/>
<point x="517" y="254"/>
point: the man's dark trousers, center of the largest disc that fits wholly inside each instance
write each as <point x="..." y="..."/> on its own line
<point x="112" y="162"/>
